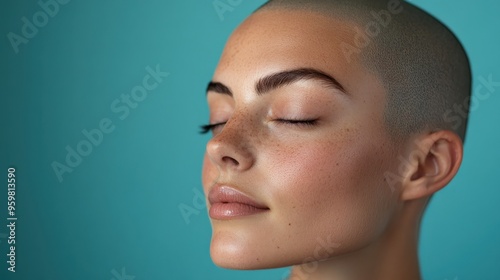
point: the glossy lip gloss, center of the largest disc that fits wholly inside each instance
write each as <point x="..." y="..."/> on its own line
<point x="228" y="203"/>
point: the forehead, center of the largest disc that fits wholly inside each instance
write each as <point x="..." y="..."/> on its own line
<point x="274" y="40"/>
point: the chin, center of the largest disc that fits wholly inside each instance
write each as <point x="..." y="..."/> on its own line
<point x="230" y="252"/>
<point x="235" y="252"/>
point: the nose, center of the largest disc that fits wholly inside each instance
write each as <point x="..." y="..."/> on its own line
<point x="231" y="148"/>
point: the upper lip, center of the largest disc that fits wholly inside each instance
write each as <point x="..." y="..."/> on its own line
<point x="227" y="194"/>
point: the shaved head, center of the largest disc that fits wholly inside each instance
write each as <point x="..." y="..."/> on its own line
<point x="332" y="119"/>
<point x="421" y="64"/>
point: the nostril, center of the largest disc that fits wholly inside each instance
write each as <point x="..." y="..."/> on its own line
<point x="230" y="160"/>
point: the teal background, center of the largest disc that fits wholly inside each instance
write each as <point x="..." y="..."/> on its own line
<point x="120" y="207"/>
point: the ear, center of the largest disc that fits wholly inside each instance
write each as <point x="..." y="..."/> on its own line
<point x="434" y="160"/>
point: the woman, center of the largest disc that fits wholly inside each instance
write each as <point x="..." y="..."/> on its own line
<point x="330" y="135"/>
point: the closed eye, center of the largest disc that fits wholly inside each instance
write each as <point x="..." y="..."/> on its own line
<point x="307" y="122"/>
<point x="210" y="127"/>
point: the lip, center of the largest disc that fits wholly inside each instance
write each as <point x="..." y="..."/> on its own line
<point x="228" y="203"/>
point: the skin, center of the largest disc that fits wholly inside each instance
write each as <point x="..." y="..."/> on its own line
<point x="332" y="214"/>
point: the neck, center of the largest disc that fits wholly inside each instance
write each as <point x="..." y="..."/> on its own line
<point x="393" y="256"/>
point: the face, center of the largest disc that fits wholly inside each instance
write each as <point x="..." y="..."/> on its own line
<point x="295" y="171"/>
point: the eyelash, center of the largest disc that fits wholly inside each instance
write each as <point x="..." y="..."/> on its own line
<point x="298" y="122"/>
<point x="210" y="127"/>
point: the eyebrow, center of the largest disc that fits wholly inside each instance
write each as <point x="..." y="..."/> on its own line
<point x="282" y="78"/>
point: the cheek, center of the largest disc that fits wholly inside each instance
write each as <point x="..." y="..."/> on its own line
<point x="331" y="188"/>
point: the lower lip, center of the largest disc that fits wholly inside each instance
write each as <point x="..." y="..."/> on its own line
<point x="226" y="211"/>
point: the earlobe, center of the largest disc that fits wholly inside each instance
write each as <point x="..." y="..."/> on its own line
<point x="435" y="160"/>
